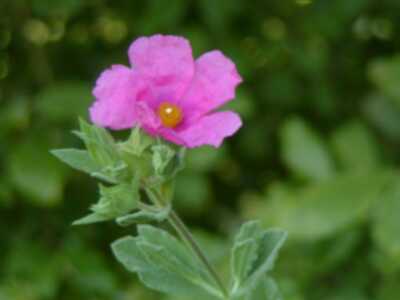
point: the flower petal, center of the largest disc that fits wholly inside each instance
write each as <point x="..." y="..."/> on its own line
<point x="166" y="61"/>
<point x="151" y="123"/>
<point x="116" y="92"/>
<point x="214" y="83"/>
<point x="171" y="135"/>
<point x="211" y="129"/>
<point x="146" y="117"/>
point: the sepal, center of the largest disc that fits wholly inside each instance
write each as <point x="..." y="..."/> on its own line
<point x="167" y="162"/>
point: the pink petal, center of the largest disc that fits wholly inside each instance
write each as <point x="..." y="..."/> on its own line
<point x="166" y="61"/>
<point x="171" y="135"/>
<point x="151" y="123"/>
<point x="116" y="92"/>
<point x="214" y="83"/>
<point x="211" y="129"/>
<point x="147" y="118"/>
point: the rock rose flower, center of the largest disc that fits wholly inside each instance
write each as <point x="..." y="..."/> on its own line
<point x="168" y="93"/>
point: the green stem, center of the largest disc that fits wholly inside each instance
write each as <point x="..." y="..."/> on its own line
<point x="188" y="238"/>
<point x="185" y="234"/>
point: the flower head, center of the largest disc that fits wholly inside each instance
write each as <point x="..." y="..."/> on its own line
<point x="168" y="93"/>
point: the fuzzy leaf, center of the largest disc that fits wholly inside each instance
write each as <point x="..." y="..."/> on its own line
<point x="253" y="255"/>
<point x="77" y="159"/>
<point x="162" y="263"/>
<point x="115" y="201"/>
<point x="144" y="216"/>
<point x="244" y="252"/>
<point x="91" y="218"/>
<point x="164" y="259"/>
<point x="266" y="289"/>
<point x="154" y="236"/>
<point x="244" y="255"/>
<point x="271" y="242"/>
<point x="104" y="152"/>
<point x="162" y="156"/>
<point x="99" y="142"/>
<point x="129" y="255"/>
<point x="251" y="229"/>
<point x="137" y="142"/>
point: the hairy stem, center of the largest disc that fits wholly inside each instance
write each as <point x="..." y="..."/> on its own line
<point x="188" y="238"/>
<point x="185" y="234"/>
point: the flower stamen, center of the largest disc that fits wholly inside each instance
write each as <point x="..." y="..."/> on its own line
<point x="170" y="114"/>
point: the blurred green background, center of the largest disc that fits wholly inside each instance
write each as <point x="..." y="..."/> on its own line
<point x="318" y="153"/>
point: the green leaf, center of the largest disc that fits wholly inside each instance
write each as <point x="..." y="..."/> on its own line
<point x="77" y="159"/>
<point x="244" y="252"/>
<point x="144" y="216"/>
<point x="266" y="289"/>
<point x="318" y="211"/>
<point x="92" y="218"/>
<point x="115" y="201"/>
<point x="162" y="156"/>
<point x="249" y="230"/>
<point x="162" y="263"/>
<point x="102" y="149"/>
<point x="385" y="74"/>
<point x="135" y="154"/>
<point x="137" y="142"/>
<point x="269" y="245"/>
<point x="35" y="173"/>
<point x="129" y="255"/>
<point x="356" y="147"/>
<point x="304" y="152"/>
<point x="178" y="162"/>
<point x="175" y="250"/>
<point x="383" y="114"/>
<point x="299" y="258"/>
<point x="253" y="255"/>
<point x="162" y="258"/>
<point x="386" y="221"/>
<point x="166" y="162"/>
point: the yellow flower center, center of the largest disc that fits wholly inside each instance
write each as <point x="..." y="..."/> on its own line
<point x="170" y="114"/>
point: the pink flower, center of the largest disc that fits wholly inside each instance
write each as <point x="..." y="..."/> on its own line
<point x="168" y="93"/>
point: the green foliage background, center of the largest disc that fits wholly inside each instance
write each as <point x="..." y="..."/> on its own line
<point x="318" y="154"/>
